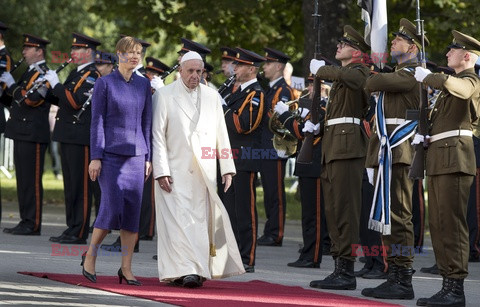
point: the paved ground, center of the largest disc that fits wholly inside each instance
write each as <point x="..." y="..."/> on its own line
<point x="32" y="253"/>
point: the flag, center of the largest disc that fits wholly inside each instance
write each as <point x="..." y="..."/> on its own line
<point x="374" y="14"/>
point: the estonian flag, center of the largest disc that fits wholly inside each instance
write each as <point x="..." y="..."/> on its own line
<point x="374" y="14"/>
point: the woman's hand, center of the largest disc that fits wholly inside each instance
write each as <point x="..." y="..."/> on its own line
<point x="94" y="169"/>
<point x="148" y="169"/>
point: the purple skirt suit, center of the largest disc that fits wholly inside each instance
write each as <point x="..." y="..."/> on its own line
<point x="120" y="137"/>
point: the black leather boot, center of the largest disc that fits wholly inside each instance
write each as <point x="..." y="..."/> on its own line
<point x="453" y="294"/>
<point x="400" y="289"/>
<point x="342" y="278"/>
<point x="391" y="279"/>
<point x="424" y="300"/>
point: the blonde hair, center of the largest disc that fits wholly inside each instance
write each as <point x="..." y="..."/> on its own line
<point x="126" y="44"/>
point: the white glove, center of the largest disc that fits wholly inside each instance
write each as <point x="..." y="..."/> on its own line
<point x="7" y="78"/>
<point x="310" y="127"/>
<point x="40" y="79"/>
<point x="421" y="73"/>
<point x="157" y="83"/>
<point x="280" y="108"/>
<point x="224" y="103"/>
<point x="418" y="138"/>
<point x="52" y="78"/>
<point x="370" y="173"/>
<point x="304" y="112"/>
<point x="315" y="65"/>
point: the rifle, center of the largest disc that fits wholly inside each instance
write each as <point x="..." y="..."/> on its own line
<point x="305" y="156"/>
<point x="38" y="85"/>
<point x="417" y="168"/>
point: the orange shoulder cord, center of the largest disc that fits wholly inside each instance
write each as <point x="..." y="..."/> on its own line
<point x="260" y="111"/>
<point x="70" y="98"/>
<point x="29" y="102"/>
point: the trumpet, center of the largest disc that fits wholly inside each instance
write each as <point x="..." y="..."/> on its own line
<point x="284" y="142"/>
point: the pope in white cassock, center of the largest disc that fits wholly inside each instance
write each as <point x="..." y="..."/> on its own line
<point x="195" y="238"/>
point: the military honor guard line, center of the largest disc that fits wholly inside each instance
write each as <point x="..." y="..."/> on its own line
<point x="135" y="147"/>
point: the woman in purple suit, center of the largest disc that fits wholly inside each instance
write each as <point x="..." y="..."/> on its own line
<point x="120" y="152"/>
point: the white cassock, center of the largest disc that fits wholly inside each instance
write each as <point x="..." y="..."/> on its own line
<point x="190" y="241"/>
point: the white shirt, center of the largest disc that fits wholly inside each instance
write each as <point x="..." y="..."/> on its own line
<point x="244" y="85"/>
<point x="83" y="66"/>
<point x="32" y="66"/>
<point x="272" y="83"/>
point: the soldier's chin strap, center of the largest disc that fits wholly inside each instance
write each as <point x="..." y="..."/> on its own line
<point x="380" y="211"/>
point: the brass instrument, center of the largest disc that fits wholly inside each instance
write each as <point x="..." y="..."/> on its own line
<point x="284" y="142"/>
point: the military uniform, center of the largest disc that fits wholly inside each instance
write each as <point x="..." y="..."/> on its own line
<point x="73" y="134"/>
<point x="29" y="128"/>
<point x="473" y="209"/>
<point x="450" y="169"/>
<point x="344" y="145"/>
<point x="401" y="93"/>
<point x="243" y="116"/>
<point x="272" y="170"/>
<point x="314" y="228"/>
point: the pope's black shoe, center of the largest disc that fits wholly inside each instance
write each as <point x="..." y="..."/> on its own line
<point x="302" y="263"/>
<point x="431" y="270"/>
<point x="192" y="281"/>
<point x="342" y="278"/>
<point x="268" y="241"/>
<point x="155" y="257"/>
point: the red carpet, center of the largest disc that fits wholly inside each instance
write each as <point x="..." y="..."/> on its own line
<point x="216" y="293"/>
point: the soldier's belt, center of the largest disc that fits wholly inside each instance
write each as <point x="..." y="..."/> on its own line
<point x="394" y="121"/>
<point x="449" y="134"/>
<point x="342" y="120"/>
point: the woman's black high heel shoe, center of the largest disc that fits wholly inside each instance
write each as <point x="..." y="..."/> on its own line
<point x="131" y="282"/>
<point x="90" y="277"/>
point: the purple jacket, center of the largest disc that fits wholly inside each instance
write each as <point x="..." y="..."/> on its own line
<point x="121" y="116"/>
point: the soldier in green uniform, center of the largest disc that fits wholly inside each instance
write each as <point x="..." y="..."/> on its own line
<point x="344" y="146"/>
<point x="399" y="91"/>
<point x="451" y="165"/>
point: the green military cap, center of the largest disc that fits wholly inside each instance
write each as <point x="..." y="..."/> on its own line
<point x="408" y="31"/>
<point x="354" y="39"/>
<point x="463" y="41"/>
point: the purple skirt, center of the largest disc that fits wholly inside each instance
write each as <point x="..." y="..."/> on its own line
<point x="121" y="183"/>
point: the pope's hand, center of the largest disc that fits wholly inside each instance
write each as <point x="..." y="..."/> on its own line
<point x="421" y="73"/>
<point x="315" y="65"/>
<point x="280" y="108"/>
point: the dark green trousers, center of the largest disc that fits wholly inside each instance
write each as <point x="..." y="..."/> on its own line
<point x="342" y="190"/>
<point x="447" y="216"/>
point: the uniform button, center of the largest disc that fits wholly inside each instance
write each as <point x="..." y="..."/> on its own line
<point x="435" y="110"/>
<point x="74" y="122"/>
<point x="343" y="131"/>
<point x="24" y="119"/>
<point x="57" y="118"/>
<point x="446" y="144"/>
